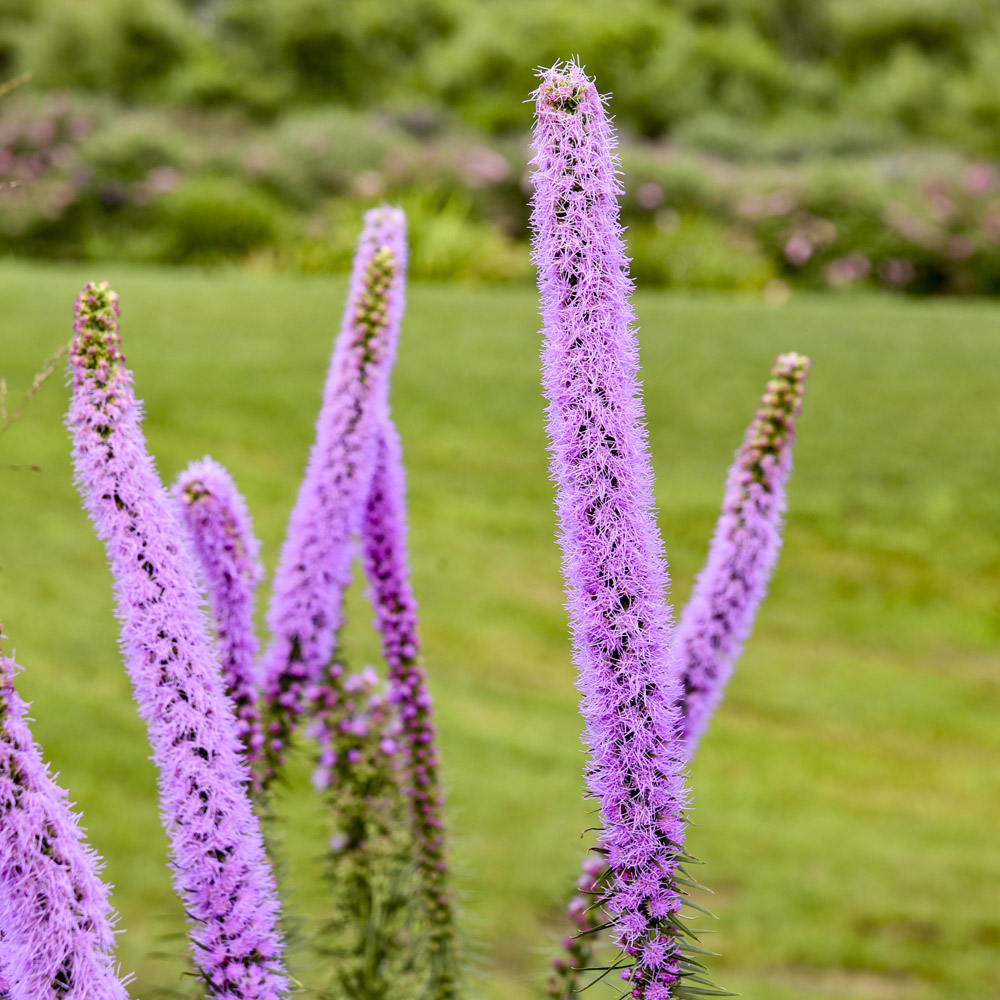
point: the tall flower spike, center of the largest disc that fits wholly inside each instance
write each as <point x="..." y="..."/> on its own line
<point x="57" y="939"/>
<point x="222" y="536"/>
<point x="613" y="559"/>
<point x="384" y="548"/>
<point x="315" y="564"/>
<point x="220" y="870"/>
<point x="744" y="550"/>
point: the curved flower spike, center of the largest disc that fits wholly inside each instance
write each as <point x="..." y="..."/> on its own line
<point x="744" y="550"/>
<point x="314" y="568"/>
<point x="220" y="869"/>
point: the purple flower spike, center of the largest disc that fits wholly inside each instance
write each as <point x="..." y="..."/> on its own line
<point x="222" y="536"/>
<point x="315" y="564"/>
<point x="220" y="869"/>
<point x="384" y="547"/>
<point x="57" y="939"/>
<point x="744" y="549"/>
<point x="613" y="560"/>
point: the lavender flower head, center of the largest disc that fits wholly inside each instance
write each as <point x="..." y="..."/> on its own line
<point x="744" y="549"/>
<point x="56" y="922"/>
<point x="220" y="870"/>
<point x="223" y="540"/>
<point x="314" y="567"/>
<point x="613" y="559"/>
<point x="384" y="548"/>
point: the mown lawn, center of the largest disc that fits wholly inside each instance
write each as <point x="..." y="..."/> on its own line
<point x="846" y="796"/>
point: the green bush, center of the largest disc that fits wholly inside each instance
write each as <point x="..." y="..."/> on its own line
<point x="975" y="123"/>
<point x="312" y="154"/>
<point x="128" y="145"/>
<point x="15" y="17"/>
<point x="446" y="242"/>
<point x="210" y="220"/>
<point x="125" y="48"/>
<point x="486" y="67"/>
<point x="909" y="89"/>
<point x="864" y="32"/>
<point x="216" y="78"/>
<point x="350" y="52"/>
<point x="691" y="251"/>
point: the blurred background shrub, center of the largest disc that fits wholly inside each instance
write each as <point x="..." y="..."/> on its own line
<point x="823" y="143"/>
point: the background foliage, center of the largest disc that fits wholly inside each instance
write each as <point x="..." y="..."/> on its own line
<point x="844" y="795"/>
<point x="824" y="143"/>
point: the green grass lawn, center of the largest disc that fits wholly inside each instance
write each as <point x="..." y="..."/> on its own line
<point x="845" y="796"/>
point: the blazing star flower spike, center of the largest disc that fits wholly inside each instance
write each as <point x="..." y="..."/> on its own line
<point x="220" y="870"/>
<point x="743" y="552"/>
<point x="57" y="940"/>
<point x="222" y="537"/>
<point x="384" y="547"/>
<point x="613" y="559"/>
<point x="314" y="567"/>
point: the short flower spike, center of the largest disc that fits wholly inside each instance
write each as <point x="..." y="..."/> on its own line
<point x="744" y="550"/>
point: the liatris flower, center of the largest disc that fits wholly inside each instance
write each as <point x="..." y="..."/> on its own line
<point x="57" y="939"/>
<point x="384" y="548"/>
<point x="314" y="567"/>
<point x="220" y="870"/>
<point x="613" y="559"/>
<point x="222" y="536"/>
<point x="743" y="552"/>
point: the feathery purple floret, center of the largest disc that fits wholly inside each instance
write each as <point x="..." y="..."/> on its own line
<point x="743" y="552"/>
<point x="314" y="568"/>
<point x="384" y="547"/>
<point x="613" y="557"/>
<point x="220" y="869"/>
<point x="57" y="939"/>
<point x="222" y="536"/>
